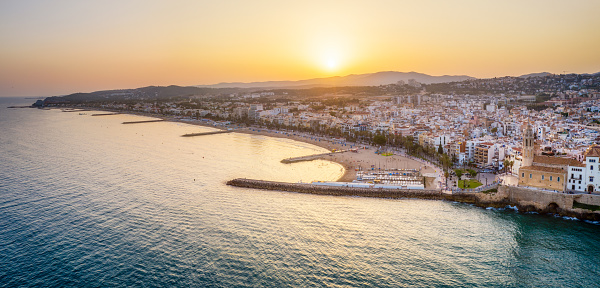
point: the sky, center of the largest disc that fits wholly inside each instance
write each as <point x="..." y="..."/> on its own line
<point x="66" y="46"/>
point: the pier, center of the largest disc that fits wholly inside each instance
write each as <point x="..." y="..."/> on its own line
<point x="207" y="133"/>
<point x="144" y="121"/>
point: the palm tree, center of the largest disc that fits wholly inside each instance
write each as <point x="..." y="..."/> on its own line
<point x="459" y="173"/>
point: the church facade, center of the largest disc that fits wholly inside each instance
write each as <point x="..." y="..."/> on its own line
<point x="556" y="173"/>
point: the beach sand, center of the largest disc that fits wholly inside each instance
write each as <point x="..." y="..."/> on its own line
<point x="363" y="158"/>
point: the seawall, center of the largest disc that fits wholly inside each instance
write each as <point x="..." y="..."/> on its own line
<point x="526" y="200"/>
<point x="337" y="190"/>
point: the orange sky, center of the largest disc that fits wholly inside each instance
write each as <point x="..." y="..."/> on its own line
<point x="61" y="47"/>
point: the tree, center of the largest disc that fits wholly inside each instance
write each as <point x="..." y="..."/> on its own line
<point x="494" y="130"/>
<point x="446" y="162"/>
<point x="379" y="139"/>
<point x="440" y="149"/>
<point x="446" y="175"/>
<point x="506" y="164"/>
<point x="459" y="173"/>
<point x="472" y="172"/>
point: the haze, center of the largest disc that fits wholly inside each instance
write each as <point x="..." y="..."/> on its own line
<point x="61" y="47"/>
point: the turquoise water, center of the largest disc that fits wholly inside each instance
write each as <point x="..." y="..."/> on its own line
<point x="88" y="202"/>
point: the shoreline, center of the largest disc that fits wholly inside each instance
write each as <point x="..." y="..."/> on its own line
<point x="350" y="161"/>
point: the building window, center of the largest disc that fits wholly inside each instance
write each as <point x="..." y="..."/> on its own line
<point x="557" y="179"/>
<point x="522" y="175"/>
<point x="573" y="187"/>
<point x="591" y="178"/>
<point x="550" y="178"/>
<point x="542" y="177"/>
<point x="529" y="175"/>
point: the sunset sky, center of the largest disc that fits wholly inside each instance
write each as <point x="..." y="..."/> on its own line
<point x="61" y="47"/>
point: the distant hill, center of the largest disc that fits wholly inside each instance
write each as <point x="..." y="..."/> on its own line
<point x="370" y="79"/>
<point x="144" y="93"/>
<point x="542" y="74"/>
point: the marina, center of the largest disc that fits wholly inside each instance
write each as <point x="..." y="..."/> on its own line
<point x="392" y="177"/>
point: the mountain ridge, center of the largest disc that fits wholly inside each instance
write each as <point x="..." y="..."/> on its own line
<point x="368" y="79"/>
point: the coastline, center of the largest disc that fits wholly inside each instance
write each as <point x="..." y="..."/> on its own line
<point x="350" y="161"/>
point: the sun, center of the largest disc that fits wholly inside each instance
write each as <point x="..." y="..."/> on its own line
<point x="331" y="64"/>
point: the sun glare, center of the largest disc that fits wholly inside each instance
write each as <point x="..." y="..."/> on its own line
<point x="331" y="64"/>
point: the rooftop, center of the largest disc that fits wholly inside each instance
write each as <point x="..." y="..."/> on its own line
<point x="543" y="169"/>
<point x="557" y="161"/>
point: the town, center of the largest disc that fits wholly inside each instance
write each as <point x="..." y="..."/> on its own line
<point x="545" y="125"/>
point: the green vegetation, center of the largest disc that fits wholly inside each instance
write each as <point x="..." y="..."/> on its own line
<point x="472" y="172"/>
<point x="494" y="190"/>
<point x="469" y="184"/>
<point x="585" y="206"/>
<point x="379" y="139"/>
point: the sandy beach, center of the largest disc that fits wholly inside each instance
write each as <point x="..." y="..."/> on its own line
<point x="363" y="158"/>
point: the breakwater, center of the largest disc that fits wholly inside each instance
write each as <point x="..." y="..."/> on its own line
<point x="207" y="133"/>
<point x="338" y="190"/>
<point x="313" y="157"/>
<point x="144" y="121"/>
<point x="525" y="200"/>
<point x="105" y="114"/>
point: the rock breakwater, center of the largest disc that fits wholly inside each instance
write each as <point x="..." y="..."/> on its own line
<point x="338" y="190"/>
<point x="523" y="199"/>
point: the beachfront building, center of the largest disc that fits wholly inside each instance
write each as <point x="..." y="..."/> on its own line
<point x="592" y="171"/>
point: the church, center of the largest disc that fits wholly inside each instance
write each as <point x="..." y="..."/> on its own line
<point x="556" y="173"/>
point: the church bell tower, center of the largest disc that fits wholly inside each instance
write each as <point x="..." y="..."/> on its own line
<point x="527" y="146"/>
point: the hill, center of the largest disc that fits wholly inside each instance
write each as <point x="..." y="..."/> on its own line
<point x="370" y="79"/>
<point x="542" y="74"/>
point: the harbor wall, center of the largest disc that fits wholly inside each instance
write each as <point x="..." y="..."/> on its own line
<point x="525" y="200"/>
<point x="337" y="190"/>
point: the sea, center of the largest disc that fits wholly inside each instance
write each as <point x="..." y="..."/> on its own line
<point x="86" y="201"/>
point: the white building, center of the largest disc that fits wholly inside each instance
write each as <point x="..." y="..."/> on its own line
<point x="586" y="177"/>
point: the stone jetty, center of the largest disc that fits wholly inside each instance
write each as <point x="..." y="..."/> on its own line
<point x="105" y="114"/>
<point x="313" y="157"/>
<point x="207" y="133"/>
<point x="585" y="207"/>
<point x="338" y="190"/>
<point x="144" y="121"/>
